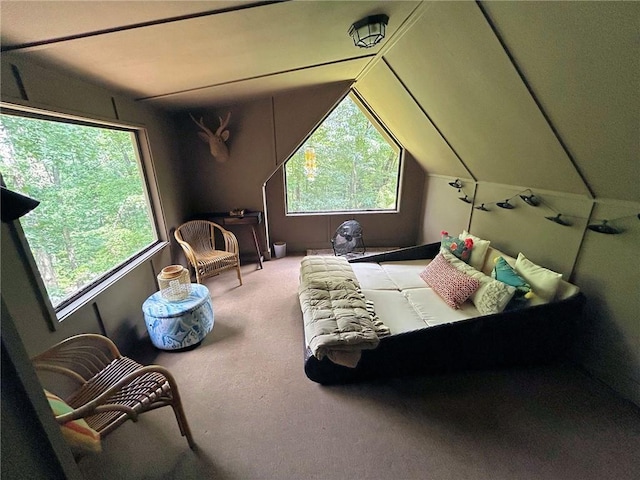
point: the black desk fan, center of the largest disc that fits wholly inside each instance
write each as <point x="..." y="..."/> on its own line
<point x="348" y="239"/>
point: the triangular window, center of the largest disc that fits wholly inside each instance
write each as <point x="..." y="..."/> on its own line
<point x="348" y="164"/>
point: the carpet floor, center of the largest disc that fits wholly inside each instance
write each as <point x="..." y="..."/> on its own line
<point x="255" y="415"/>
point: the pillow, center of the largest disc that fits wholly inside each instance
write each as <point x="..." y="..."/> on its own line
<point x="492" y="296"/>
<point x="453" y="286"/>
<point x="78" y="434"/>
<point x="543" y="281"/>
<point x="504" y="273"/>
<point x="460" y="248"/>
<point x="479" y="250"/>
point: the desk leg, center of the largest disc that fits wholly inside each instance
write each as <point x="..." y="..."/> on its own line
<point x="255" y="240"/>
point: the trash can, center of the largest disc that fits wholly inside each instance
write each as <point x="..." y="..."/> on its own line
<point x="280" y="249"/>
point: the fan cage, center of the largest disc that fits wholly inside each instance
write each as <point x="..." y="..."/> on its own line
<point x="348" y="239"/>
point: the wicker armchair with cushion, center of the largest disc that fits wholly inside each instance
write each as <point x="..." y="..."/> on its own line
<point x="94" y="383"/>
<point x="199" y="240"/>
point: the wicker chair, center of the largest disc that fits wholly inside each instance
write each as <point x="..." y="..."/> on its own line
<point x="198" y="240"/>
<point x="106" y="388"/>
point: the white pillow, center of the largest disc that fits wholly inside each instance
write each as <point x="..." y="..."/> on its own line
<point x="491" y="296"/>
<point x="479" y="250"/>
<point x="544" y="282"/>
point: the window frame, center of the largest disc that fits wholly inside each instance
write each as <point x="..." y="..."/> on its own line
<point x="382" y="129"/>
<point x="85" y="295"/>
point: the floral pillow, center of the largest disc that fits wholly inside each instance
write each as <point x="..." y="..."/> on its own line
<point x="452" y="285"/>
<point x="492" y="296"/>
<point x="479" y="251"/>
<point x="460" y="248"/>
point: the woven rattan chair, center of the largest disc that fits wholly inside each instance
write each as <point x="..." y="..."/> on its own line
<point x="198" y="240"/>
<point x="106" y="388"/>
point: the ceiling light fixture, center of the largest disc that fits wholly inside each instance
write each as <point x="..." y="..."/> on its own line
<point x="369" y="31"/>
<point x="457" y="184"/>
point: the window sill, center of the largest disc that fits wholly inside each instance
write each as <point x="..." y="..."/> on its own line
<point x="345" y="212"/>
<point x="92" y="293"/>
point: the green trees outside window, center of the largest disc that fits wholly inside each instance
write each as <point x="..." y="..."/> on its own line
<point x="93" y="214"/>
<point x="348" y="164"/>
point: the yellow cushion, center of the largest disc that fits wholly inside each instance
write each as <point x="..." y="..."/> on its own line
<point x="77" y="433"/>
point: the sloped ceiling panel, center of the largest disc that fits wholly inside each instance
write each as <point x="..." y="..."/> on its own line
<point x="261" y="86"/>
<point x="384" y="93"/>
<point x="45" y="20"/>
<point x="455" y="67"/>
<point x="584" y="67"/>
<point x="204" y="51"/>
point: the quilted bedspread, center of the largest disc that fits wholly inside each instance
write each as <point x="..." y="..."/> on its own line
<point x="337" y="321"/>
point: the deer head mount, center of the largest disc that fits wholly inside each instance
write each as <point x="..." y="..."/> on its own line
<point x="217" y="147"/>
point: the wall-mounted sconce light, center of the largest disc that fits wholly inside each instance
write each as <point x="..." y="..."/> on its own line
<point x="604" y="228"/>
<point x="559" y="220"/>
<point x="530" y="200"/>
<point x="369" y="31"/>
<point x="506" y="204"/>
<point x="457" y="184"/>
<point x="482" y="207"/>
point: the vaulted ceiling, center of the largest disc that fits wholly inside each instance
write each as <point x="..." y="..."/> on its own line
<point x="533" y="94"/>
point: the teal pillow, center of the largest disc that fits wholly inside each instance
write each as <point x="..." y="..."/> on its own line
<point x="504" y="273"/>
<point x="460" y="248"/>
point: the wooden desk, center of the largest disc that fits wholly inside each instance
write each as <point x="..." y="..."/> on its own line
<point x="251" y="218"/>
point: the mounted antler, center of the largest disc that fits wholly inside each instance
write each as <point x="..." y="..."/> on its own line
<point x="216" y="140"/>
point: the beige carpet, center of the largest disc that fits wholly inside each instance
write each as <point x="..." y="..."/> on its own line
<point x="255" y="415"/>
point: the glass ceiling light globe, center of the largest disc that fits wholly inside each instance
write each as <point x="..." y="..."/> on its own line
<point x="369" y="31"/>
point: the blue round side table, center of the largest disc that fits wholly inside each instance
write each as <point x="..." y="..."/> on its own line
<point x="177" y="325"/>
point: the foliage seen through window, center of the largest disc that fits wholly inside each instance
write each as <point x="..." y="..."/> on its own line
<point x="93" y="213"/>
<point x="346" y="165"/>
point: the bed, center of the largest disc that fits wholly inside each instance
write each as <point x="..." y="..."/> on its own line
<point x="399" y="324"/>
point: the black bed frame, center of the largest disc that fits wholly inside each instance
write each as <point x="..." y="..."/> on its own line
<point x="529" y="336"/>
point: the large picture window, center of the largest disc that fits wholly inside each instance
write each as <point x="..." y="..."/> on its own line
<point x="348" y="164"/>
<point x="94" y="214"/>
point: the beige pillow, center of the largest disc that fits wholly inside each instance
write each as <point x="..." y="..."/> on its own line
<point x="491" y="296"/>
<point x="544" y="282"/>
<point x="479" y="250"/>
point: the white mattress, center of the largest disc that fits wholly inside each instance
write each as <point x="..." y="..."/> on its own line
<point x="406" y="274"/>
<point x="394" y="310"/>
<point x="390" y="275"/>
<point x="404" y="302"/>
<point x="415" y="308"/>
<point x="371" y="276"/>
<point x="434" y="311"/>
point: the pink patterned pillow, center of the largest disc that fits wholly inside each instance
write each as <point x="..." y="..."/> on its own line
<point x="448" y="282"/>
